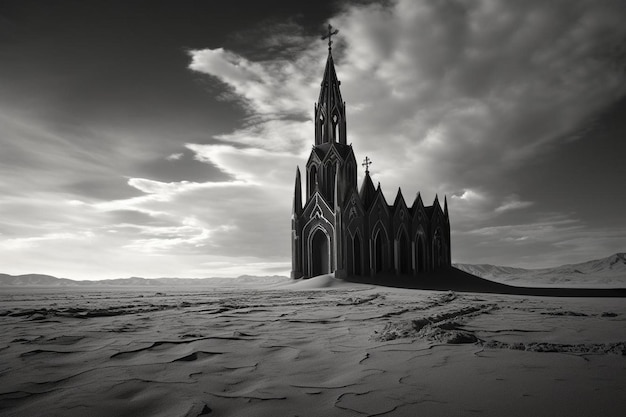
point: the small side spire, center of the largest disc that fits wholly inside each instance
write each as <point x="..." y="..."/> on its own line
<point x="297" y="194"/>
<point x="445" y="205"/>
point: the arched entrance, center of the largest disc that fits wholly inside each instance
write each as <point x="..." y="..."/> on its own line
<point x="320" y="254"/>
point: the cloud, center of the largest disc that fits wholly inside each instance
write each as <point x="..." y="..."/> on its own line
<point x="174" y="156"/>
<point x="512" y="203"/>
<point x="545" y="241"/>
<point x="33" y="241"/>
<point x="449" y="97"/>
<point x="472" y="88"/>
<point x="266" y="89"/>
<point x="446" y="97"/>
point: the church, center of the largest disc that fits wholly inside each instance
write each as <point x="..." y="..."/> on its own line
<point x="350" y="230"/>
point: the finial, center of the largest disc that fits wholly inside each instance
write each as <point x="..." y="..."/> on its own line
<point x="366" y="163"/>
<point x="329" y="36"/>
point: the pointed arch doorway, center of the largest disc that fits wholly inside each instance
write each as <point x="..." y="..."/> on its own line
<point x="320" y="253"/>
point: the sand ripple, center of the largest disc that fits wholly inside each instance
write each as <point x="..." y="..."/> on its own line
<point x="341" y="352"/>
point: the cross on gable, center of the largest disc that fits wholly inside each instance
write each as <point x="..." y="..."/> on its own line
<point x="366" y="163"/>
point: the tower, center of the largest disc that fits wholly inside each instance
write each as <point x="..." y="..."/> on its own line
<point x="342" y="230"/>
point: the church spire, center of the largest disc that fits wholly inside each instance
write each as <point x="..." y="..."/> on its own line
<point x="330" y="112"/>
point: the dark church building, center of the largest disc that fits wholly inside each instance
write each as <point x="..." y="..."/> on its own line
<point x="353" y="231"/>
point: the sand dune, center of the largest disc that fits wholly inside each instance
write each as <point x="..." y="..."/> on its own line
<point x="609" y="272"/>
<point x="308" y="348"/>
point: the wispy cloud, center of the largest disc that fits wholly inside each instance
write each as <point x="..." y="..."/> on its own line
<point x="512" y="203"/>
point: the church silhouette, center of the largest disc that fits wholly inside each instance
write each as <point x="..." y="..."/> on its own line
<point x="350" y="231"/>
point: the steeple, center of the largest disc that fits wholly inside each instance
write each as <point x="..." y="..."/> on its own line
<point x="330" y="111"/>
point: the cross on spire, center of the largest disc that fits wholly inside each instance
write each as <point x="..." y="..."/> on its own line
<point x="329" y="36"/>
<point x="366" y="163"/>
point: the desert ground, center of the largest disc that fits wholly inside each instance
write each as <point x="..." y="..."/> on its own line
<point x="320" y="347"/>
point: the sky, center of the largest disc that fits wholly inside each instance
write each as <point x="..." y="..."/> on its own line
<point x="161" y="138"/>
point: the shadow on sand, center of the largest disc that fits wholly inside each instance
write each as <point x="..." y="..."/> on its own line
<point x="452" y="279"/>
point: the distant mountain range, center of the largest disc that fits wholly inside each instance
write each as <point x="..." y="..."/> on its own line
<point x="38" y="280"/>
<point x="609" y="271"/>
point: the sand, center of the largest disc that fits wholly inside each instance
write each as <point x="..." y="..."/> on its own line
<point x="320" y="347"/>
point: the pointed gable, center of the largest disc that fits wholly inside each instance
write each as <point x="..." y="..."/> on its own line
<point x="399" y="201"/>
<point x="401" y="212"/>
<point x="417" y="209"/>
<point x="436" y="215"/>
<point x="367" y="192"/>
<point x="401" y="216"/>
<point x="353" y="207"/>
<point x="380" y="201"/>
<point x="316" y="156"/>
<point x="317" y="206"/>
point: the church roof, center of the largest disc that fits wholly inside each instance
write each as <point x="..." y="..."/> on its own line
<point x="322" y="150"/>
<point x="399" y="199"/>
<point x="367" y="192"/>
